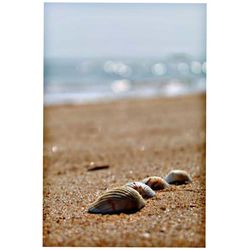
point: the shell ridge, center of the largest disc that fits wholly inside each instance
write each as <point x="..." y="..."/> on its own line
<point x="118" y="200"/>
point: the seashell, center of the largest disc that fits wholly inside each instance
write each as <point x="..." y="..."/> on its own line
<point x="144" y="190"/>
<point x="178" y="177"/>
<point x="117" y="200"/>
<point x="156" y="182"/>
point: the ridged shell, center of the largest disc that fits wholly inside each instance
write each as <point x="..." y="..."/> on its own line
<point x="144" y="190"/>
<point x="117" y="200"/>
<point x="178" y="177"/>
<point x="156" y="182"/>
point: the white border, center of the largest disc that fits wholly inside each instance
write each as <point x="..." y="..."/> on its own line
<point x="227" y="124"/>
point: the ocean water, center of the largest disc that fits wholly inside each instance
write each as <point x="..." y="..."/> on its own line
<point x="83" y="80"/>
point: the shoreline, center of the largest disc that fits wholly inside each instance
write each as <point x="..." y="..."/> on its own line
<point x="109" y="99"/>
<point x="136" y="138"/>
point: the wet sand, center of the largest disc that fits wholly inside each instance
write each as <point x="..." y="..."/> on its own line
<point x="136" y="138"/>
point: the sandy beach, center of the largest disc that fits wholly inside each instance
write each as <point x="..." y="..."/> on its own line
<point x="136" y="138"/>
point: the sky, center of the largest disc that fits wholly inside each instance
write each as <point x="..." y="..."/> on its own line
<point x="123" y="30"/>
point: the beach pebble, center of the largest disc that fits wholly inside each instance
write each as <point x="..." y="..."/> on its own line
<point x="117" y="200"/>
<point x="178" y="177"/>
<point x="93" y="167"/>
<point x="155" y="182"/>
<point x="146" y="235"/>
<point x="54" y="149"/>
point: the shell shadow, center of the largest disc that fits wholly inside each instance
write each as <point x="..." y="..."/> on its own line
<point x="178" y="183"/>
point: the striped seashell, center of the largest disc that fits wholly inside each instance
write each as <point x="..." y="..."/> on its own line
<point x="178" y="177"/>
<point x="155" y="182"/>
<point x="117" y="200"/>
<point x="144" y="190"/>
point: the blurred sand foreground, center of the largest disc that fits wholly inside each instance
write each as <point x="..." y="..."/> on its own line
<point x="137" y="138"/>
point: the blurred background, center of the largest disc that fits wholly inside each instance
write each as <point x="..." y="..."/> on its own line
<point x="97" y="52"/>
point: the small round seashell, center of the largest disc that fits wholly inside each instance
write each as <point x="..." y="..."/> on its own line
<point x="178" y="177"/>
<point x="117" y="200"/>
<point x="144" y="190"/>
<point x="155" y="182"/>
